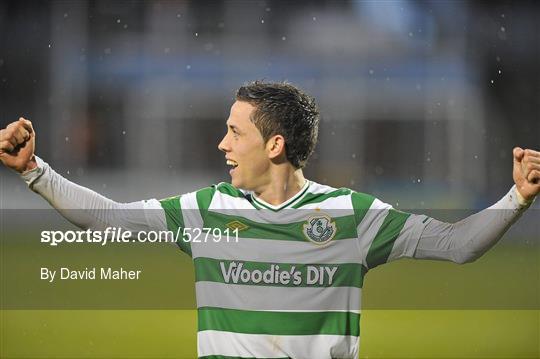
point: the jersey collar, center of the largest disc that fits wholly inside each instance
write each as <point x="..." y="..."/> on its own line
<point x="291" y="201"/>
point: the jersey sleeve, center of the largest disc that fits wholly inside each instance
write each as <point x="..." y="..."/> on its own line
<point x="384" y="233"/>
<point x="468" y="239"/>
<point x="168" y="214"/>
<point x="181" y="215"/>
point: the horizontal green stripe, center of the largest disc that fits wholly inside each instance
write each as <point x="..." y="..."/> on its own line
<point x="345" y="227"/>
<point x="279" y="323"/>
<point x="346" y="274"/>
<point x="311" y="198"/>
<point x="380" y="249"/>
<point x="173" y="216"/>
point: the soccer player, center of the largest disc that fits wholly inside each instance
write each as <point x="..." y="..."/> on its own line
<point x="291" y="286"/>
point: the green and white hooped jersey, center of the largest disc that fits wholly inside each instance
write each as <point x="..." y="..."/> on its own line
<point x="290" y="285"/>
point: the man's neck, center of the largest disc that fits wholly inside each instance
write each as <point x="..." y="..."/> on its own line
<point x="282" y="187"/>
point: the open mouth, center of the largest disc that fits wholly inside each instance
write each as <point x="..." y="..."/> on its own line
<point x="232" y="163"/>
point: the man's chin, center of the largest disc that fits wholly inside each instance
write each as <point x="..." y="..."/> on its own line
<point x="238" y="184"/>
<point x="235" y="182"/>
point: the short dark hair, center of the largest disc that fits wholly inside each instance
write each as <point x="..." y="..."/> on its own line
<point x="281" y="108"/>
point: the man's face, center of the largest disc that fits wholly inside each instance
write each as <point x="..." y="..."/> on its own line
<point x="244" y="149"/>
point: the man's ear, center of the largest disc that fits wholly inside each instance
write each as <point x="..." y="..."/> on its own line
<point x="275" y="146"/>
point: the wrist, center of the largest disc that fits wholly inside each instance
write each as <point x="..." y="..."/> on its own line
<point x="523" y="200"/>
<point x="30" y="165"/>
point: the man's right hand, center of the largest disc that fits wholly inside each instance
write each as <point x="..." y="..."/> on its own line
<point x="17" y="142"/>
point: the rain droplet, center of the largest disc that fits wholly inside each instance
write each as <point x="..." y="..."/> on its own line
<point x="167" y="50"/>
<point x="503" y="29"/>
<point x="475" y="157"/>
<point x="118" y="21"/>
<point x="123" y="132"/>
<point x="262" y="21"/>
<point x="196" y="34"/>
<point x="49" y="46"/>
<point x="500" y="72"/>
<point x="65" y="14"/>
<point x="188" y="67"/>
<point x="66" y="139"/>
<point x="125" y="26"/>
<point x="492" y="81"/>
<point x="418" y="180"/>
<point x="268" y="9"/>
<point x="178" y="15"/>
<point x="371" y="72"/>
<point x="314" y="18"/>
<point x="353" y="155"/>
<point x="410" y="34"/>
<point x="67" y="171"/>
<point x="283" y="38"/>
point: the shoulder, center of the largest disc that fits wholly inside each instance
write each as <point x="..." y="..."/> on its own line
<point x="221" y="195"/>
<point x="229" y="189"/>
<point x="202" y="198"/>
<point x="318" y="192"/>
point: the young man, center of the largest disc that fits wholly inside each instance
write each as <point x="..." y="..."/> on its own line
<point x="291" y="285"/>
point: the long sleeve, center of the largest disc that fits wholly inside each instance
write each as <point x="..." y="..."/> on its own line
<point x="470" y="238"/>
<point x="88" y="209"/>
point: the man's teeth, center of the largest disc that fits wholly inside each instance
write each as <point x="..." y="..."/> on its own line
<point x="232" y="163"/>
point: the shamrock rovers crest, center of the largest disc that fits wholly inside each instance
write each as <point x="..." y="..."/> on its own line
<point x="320" y="229"/>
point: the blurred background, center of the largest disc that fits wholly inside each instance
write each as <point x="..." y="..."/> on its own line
<point x="421" y="101"/>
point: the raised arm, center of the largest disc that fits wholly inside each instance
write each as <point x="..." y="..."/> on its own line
<point x="79" y="205"/>
<point x="468" y="239"/>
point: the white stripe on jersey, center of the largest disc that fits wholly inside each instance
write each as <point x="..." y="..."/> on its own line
<point x="213" y="342"/>
<point x="237" y="206"/>
<point x="274" y="298"/>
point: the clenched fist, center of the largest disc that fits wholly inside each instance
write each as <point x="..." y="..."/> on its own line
<point x="527" y="172"/>
<point x="17" y="143"/>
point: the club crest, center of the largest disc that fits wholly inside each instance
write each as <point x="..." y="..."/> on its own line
<point x="319" y="229"/>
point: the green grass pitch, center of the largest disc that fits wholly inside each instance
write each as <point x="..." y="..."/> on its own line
<point x="413" y="309"/>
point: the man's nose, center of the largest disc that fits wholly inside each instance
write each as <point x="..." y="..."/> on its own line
<point x="223" y="145"/>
